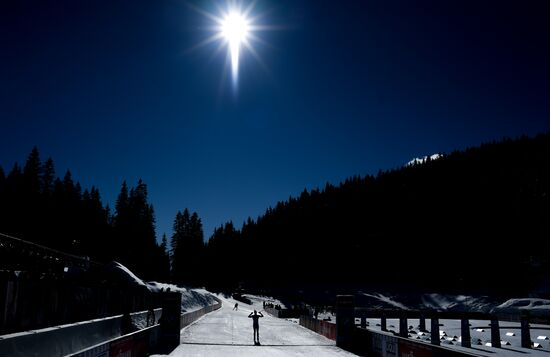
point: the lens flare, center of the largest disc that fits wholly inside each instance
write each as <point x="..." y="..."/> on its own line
<point x="235" y="30"/>
<point x="236" y="27"/>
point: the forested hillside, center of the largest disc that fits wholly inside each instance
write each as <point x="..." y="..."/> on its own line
<point x="38" y="206"/>
<point x="475" y="220"/>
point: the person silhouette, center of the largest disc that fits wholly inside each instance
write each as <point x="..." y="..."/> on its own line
<point x="255" y="316"/>
<point x="236" y="307"/>
<point x="126" y="324"/>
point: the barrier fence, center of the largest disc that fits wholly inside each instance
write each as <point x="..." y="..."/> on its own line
<point x="102" y="337"/>
<point x="285" y="313"/>
<point x="324" y="328"/>
<point x="66" y="339"/>
<point x="380" y="344"/>
<point x="365" y="342"/>
<point x="36" y="304"/>
<point x="190" y="317"/>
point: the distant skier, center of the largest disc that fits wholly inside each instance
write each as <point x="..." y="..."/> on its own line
<point x="236" y="307"/>
<point x="255" y="316"/>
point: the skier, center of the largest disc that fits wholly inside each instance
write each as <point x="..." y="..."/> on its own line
<point x="236" y="307"/>
<point x="255" y="316"/>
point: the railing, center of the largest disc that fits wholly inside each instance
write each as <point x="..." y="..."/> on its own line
<point x="190" y="317"/>
<point x="435" y="316"/>
<point x="30" y="304"/>
<point x="67" y="339"/>
<point x="97" y="338"/>
<point x="18" y="254"/>
<point x="324" y="328"/>
<point x="366" y="342"/>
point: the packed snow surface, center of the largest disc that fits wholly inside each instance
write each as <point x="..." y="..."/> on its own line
<point x="228" y="332"/>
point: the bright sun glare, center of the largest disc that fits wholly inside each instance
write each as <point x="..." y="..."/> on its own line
<point x="235" y="29"/>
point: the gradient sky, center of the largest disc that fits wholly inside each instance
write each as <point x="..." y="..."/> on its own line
<point x="110" y="90"/>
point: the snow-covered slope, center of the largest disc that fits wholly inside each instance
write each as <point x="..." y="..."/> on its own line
<point x="423" y="159"/>
<point x="427" y="301"/>
<point x="191" y="299"/>
<point x="456" y="302"/>
<point x="535" y="307"/>
<point x="383" y="302"/>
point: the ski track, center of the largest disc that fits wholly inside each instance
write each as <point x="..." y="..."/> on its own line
<point x="226" y="332"/>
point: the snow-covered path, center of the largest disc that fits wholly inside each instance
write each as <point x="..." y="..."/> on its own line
<point x="226" y="332"/>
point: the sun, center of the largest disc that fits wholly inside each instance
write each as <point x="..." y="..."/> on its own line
<point x="235" y="29"/>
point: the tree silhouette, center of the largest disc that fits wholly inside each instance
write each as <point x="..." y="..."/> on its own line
<point x="187" y="249"/>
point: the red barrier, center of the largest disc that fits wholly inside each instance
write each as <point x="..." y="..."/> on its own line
<point x="324" y="328"/>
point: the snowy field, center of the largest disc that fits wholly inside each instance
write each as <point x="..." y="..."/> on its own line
<point x="480" y="332"/>
<point x="227" y="332"/>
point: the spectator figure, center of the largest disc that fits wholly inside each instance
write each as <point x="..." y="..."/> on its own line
<point x="126" y="324"/>
<point x="150" y="317"/>
<point x="255" y="316"/>
<point x="236" y="307"/>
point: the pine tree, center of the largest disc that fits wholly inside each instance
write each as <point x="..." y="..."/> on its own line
<point x="164" y="260"/>
<point x="187" y="248"/>
<point x="48" y="177"/>
<point x="177" y="248"/>
<point x="32" y="173"/>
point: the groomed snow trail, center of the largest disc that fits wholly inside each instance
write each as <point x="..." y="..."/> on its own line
<point x="227" y="333"/>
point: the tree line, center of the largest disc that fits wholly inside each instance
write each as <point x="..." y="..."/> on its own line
<point x="476" y="220"/>
<point x="38" y="206"/>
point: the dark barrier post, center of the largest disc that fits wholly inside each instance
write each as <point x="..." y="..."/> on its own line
<point x="403" y="330"/>
<point x="170" y="322"/>
<point x="383" y="323"/>
<point x="465" y="332"/>
<point x="345" y="321"/>
<point x="525" y="333"/>
<point x="363" y="322"/>
<point x="422" y="324"/>
<point x="435" y="331"/>
<point x="495" y="333"/>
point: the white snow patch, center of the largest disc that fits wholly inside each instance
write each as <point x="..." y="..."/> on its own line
<point x="124" y="274"/>
<point x="191" y="299"/>
<point x="387" y="300"/>
<point x="423" y="159"/>
<point x="536" y="307"/>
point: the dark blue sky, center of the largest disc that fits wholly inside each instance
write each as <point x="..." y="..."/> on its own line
<point x="109" y="89"/>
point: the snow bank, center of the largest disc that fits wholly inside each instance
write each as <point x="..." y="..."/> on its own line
<point x="118" y="273"/>
<point x="535" y="307"/>
<point x="191" y="299"/>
